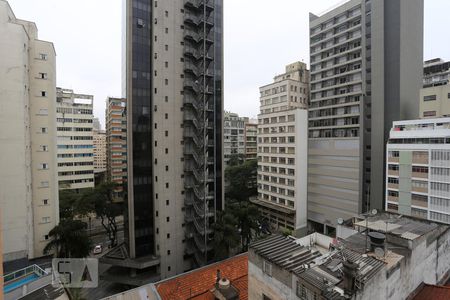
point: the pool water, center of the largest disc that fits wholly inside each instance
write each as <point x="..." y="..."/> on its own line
<point x="20" y="282"/>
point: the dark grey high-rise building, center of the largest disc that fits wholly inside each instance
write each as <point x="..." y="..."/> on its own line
<point x="173" y="84"/>
<point x="366" y="71"/>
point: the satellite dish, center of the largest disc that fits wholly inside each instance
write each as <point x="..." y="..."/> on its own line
<point x="340" y="221"/>
<point x="379" y="252"/>
<point x="374" y="211"/>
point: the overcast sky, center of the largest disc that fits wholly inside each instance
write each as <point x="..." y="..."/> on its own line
<point x="261" y="37"/>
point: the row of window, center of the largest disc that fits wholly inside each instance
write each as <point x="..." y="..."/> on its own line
<point x="277" y="150"/>
<point x="279" y="180"/>
<point x="276" y="160"/>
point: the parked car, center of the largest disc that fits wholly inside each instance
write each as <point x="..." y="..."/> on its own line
<point x="98" y="249"/>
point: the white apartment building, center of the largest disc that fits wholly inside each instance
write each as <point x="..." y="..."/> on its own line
<point x="75" y="140"/>
<point x="233" y="136"/>
<point x="282" y="149"/>
<point x="28" y="180"/>
<point x="418" y="169"/>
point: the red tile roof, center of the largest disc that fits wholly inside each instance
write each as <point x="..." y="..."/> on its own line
<point x="198" y="284"/>
<point x="433" y="292"/>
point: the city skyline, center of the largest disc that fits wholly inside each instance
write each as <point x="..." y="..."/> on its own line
<point x="243" y="73"/>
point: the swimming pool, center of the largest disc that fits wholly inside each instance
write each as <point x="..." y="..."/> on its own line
<point x="20" y="282"/>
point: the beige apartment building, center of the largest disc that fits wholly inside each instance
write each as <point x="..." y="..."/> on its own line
<point x="251" y="139"/>
<point x="282" y="149"/>
<point x="99" y="143"/>
<point x="28" y="173"/>
<point x="75" y="140"/>
<point x="116" y="143"/>
<point x="435" y="94"/>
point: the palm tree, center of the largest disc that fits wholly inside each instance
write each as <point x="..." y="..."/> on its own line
<point x="69" y="239"/>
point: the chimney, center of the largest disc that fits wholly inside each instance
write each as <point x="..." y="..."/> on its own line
<point x="218" y="276"/>
<point x="376" y="240"/>
<point x="350" y="270"/>
<point x="224" y="290"/>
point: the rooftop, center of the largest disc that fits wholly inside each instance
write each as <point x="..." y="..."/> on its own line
<point x="199" y="284"/>
<point x="433" y="292"/>
<point x="285" y="252"/>
<point x="407" y="228"/>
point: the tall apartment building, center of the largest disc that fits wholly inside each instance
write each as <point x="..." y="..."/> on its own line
<point x="173" y="83"/>
<point x="116" y="143"/>
<point x="418" y="169"/>
<point x="282" y="149"/>
<point x="251" y="139"/>
<point x="435" y="94"/>
<point x="99" y="146"/>
<point x="233" y="136"/>
<point x="29" y="204"/>
<point x="366" y="71"/>
<point x="75" y="140"/>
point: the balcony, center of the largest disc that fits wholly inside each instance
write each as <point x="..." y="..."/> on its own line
<point x="393" y="172"/>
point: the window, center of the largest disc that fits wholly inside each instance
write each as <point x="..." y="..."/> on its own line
<point x="43" y="166"/>
<point x="167" y="202"/>
<point x="42" y="56"/>
<point x="166" y="133"/>
<point x="43" y="112"/>
<point x="46" y="237"/>
<point x="43" y="94"/>
<point x="168" y="235"/>
<point x="429" y="98"/>
<point x="43" y="75"/>
<point x="168" y="219"/>
<point x="267" y="268"/>
<point x="45" y="202"/>
<point x="45" y="219"/>
<point x="430" y="113"/>
<point x="44" y="148"/>
<point x="166" y="13"/>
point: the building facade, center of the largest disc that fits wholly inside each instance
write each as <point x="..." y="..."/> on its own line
<point x="363" y="76"/>
<point x="418" y="169"/>
<point x="409" y="253"/>
<point x="99" y="144"/>
<point x="116" y="144"/>
<point x="282" y="149"/>
<point x="74" y="121"/>
<point x="435" y="94"/>
<point x="29" y="203"/>
<point x="233" y="136"/>
<point x="251" y="139"/>
<point x="173" y="86"/>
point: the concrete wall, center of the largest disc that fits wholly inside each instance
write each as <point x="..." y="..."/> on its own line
<point x="15" y="154"/>
<point x="429" y="263"/>
<point x="441" y="106"/>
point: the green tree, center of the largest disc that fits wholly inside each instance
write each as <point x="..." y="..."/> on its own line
<point x="73" y="204"/>
<point x="236" y="159"/>
<point x="69" y="239"/>
<point x="226" y="236"/>
<point x="102" y="201"/>
<point x="247" y="216"/>
<point x="241" y="181"/>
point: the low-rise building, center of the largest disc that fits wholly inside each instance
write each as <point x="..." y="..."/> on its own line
<point x="418" y="169"/>
<point x="224" y="280"/>
<point x="74" y="121"/>
<point x="397" y="256"/>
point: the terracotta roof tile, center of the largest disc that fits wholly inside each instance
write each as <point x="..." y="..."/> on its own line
<point x="433" y="292"/>
<point x="198" y="284"/>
